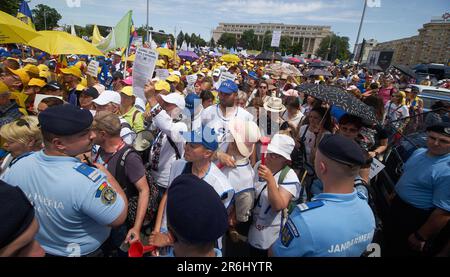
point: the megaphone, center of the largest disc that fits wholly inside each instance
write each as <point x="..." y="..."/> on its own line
<point x="143" y="140"/>
<point x="137" y="249"/>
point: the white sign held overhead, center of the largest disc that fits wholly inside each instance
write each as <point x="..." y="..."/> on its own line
<point x="375" y="168"/>
<point x="191" y="79"/>
<point x="92" y="68"/>
<point x="162" y="74"/>
<point x="226" y="76"/>
<point x="276" y="37"/>
<point x="143" y="68"/>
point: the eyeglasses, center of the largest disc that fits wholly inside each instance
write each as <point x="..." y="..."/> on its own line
<point x="22" y="122"/>
<point x="263" y="87"/>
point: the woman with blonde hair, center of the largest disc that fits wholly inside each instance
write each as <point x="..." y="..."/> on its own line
<point x="21" y="138"/>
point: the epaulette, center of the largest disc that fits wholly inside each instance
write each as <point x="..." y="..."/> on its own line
<point x="310" y="205"/>
<point x="92" y="173"/>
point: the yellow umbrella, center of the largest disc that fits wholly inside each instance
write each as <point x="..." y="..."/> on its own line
<point x="62" y="43"/>
<point x="12" y="30"/>
<point x="230" y="58"/>
<point x="165" y="52"/>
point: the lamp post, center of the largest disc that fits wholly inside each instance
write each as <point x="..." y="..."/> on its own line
<point x="45" y="18"/>
<point x="329" y="47"/>
<point x="146" y="25"/>
<point x="359" y="29"/>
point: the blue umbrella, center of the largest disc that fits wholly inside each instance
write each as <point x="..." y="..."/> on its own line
<point x="187" y="55"/>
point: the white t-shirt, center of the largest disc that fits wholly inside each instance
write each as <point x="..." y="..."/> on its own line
<point x="167" y="155"/>
<point x="214" y="177"/>
<point x="310" y="140"/>
<point x="266" y="223"/>
<point x="213" y="118"/>
<point x="294" y="121"/>
<point x="240" y="177"/>
<point x="394" y="112"/>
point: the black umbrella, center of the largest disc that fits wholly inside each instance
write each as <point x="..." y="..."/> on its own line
<point x="318" y="65"/>
<point x="318" y="72"/>
<point x="338" y="97"/>
<point x="268" y="56"/>
<point x="406" y="70"/>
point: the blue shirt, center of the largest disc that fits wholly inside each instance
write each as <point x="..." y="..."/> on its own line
<point x="74" y="202"/>
<point x="333" y="225"/>
<point x="425" y="183"/>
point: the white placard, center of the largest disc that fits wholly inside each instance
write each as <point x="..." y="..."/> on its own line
<point x="276" y="37"/>
<point x="375" y="168"/>
<point x="226" y="76"/>
<point x="38" y="98"/>
<point x="162" y="74"/>
<point x="92" y="68"/>
<point x="143" y="68"/>
<point x="191" y="79"/>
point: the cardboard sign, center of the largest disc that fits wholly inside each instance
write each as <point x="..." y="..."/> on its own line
<point x="92" y="68"/>
<point x="375" y="168"/>
<point x="226" y="76"/>
<point x="162" y="74"/>
<point x="143" y="68"/>
<point x="276" y="37"/>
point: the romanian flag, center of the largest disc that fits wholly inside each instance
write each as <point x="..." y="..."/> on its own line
<point x="25" y="15"/>
<point x="133" y="32"/>
<point x="98" y="193"/>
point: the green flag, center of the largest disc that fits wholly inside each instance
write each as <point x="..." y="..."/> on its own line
<point x="119" y="37"/>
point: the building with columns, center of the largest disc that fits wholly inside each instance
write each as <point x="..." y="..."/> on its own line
<point x="309" y="35"/>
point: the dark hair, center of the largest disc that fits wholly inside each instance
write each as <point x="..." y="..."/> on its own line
<point x="374" y="85"/>
<point x="351" y="119"/>
<point x="376" y="103"/>
<point x="325" y="114"/>
<point x="292" y="102"/>
<point x="206" y="95"/>
<point x="52" y="101"/>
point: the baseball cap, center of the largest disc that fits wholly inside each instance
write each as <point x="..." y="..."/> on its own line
<point x="53" y="85"/>
<point x="128" y="91"/>
<point x="192" y="101"/>
<point x="216" y="72"/>
<point x="108" y="96"/>
<point x="174" y="98"/>
<point x="22" y="74"/>
<point x="282" y="145"/>
<point x="173" y="78"/>
<point x="228" y="87"/>
<point x="204" y="136"/>
<point x="36" y="82"/>
<point x="91" y="91"/>
<point x="162" y="85"/>
<point x="73" y="70"/>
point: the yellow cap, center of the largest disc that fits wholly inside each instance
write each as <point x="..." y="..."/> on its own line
<point x="187" y="63"/>
<point x="205" y="70"/>
<point x="160" y="63"/>
<point x="43" y="67"/>
<point x="36" y="82"/>
<point x="173" y="78"/>
<point x="80" y="64"/>
<point x="3" y="87"/>
<point x="80" y="87"/>
<point x="14" y="59"/>
<point x="75" y="71"/>
<point x="162" y="85"/>
<point x="31" y="68"/>
<point x="128" y="91"/>
<point x="44" y="74"/>
<point x="83" y="82"/>
<point x="22" y="73"/>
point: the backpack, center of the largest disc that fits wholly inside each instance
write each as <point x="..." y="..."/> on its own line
<point x="130" y="191"/>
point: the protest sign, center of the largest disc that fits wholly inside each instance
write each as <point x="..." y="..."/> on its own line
<point x="162" y="74"/>
<point x="92" y="68"/>
<point x="191" y="79"/>
<point x="226" y="76"/>
<point x="276" y="36"/>
<point x="143" y="68"/>
<point x="375" y="168"/>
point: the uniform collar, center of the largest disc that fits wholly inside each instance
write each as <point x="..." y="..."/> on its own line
<point x="337" y="197"/>
<point x="41" y="155"/>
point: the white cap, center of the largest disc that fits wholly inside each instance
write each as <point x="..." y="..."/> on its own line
<point x="282" y="145"/>
<point x="108" y="96"/>
<point x="176" y="72"/>
<point x="174" y="98"/>
<point x="216" y="72"/>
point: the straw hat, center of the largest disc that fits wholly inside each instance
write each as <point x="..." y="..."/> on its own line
<point x="245" y="134"/>
<point x="274" y="104"/>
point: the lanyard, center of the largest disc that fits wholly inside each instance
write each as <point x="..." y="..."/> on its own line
<point x="112" y="155"/>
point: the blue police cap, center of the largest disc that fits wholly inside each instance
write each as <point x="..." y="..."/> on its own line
<point x="195" y="211"/>
<point x="253" y="75"/>
<point x="65" y="120"/>
<point x="228" y="87"/>
<point x="342" y="150"/>
<point x="13" y="223"/>
<point x="442" y="128"/>
<point x="204" y="136"/>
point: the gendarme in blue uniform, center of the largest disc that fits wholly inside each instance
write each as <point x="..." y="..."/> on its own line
<point x="74" y="202"/>
<point x="333" y="225"/>
<point x="425" y="183"/>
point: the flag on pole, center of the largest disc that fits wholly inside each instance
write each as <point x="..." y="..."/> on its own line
<point x="72" y="30"/>
<point x="96" y="36"/>
<point x="25" y="15"/>
<point x="119" y="37"/>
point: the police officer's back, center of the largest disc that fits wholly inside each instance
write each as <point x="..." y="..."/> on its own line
<point x="338" y="222"/>
<point x="75" y="203"/>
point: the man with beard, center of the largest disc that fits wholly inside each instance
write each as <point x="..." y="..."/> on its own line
<point x="76" y="204"/>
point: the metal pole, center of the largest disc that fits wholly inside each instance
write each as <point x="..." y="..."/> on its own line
<point x="45" y="20"/>
<point x="359" y="30"/>
<point x="329" y="48"/>
<point x="146" y="25"/>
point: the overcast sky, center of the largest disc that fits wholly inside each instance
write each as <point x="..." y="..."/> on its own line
<point x="392" y="20"/>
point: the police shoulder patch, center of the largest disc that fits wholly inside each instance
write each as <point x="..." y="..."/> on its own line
<point x="310" y="205"/>
<point x="92" y="173"/>
<point x="288" y="233"/>
<point x="108" y="196"/>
